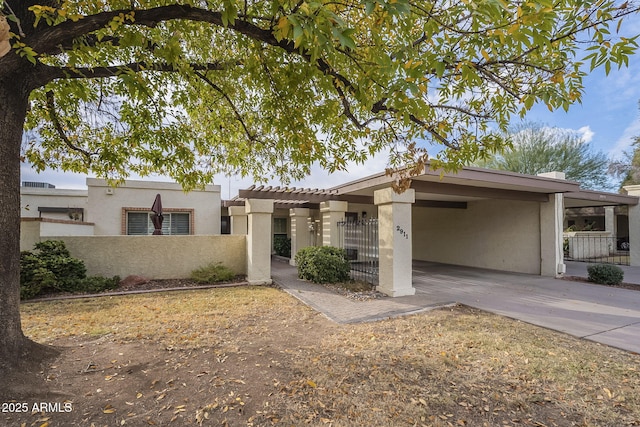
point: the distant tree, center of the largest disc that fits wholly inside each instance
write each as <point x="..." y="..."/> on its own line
<point x="536" y="149"/>
<point x="628" y="168"/>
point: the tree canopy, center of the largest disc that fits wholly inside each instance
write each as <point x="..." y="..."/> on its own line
<point x="269" y="87"/>
<point x="535" y="149"/>
<point x="189" y="88"/>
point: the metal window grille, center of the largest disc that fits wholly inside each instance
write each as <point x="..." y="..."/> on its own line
<point x="175" y="223"/>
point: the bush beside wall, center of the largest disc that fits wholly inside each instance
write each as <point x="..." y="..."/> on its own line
<point x="322" y="264"/>
<point x="50" y="267"/>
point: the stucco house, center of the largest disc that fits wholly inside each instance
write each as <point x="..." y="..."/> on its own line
<point x="475" y="217"/>
<point x="103" y="210"/>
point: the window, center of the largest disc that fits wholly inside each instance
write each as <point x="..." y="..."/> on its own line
<point x="174" y="223"/>
<point x="280" y="226"/>
<point x="225" y="224"/>
<point x="351" y="216"/>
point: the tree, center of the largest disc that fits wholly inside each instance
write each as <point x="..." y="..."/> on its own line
<point x="267" y="87"/>
<point x="536" y="149"/>
<point x="628" y="167"/>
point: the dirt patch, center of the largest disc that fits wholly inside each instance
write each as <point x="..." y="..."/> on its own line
<point x="254" y="356"/>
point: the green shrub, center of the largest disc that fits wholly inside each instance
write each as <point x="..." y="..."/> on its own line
<point x="282" y="246"/>
<point x="98" y="284"/>
<point x="322" y="264"/>
<point x="212" y="273"/>
<point x="51" y="266"/>
<point x="54" y="256"/>
<point x="605" y="274"/>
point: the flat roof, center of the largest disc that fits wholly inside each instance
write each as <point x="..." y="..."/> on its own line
<point x="438" y="188"/>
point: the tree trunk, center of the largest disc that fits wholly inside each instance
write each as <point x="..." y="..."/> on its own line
<point x="17" y="352"/>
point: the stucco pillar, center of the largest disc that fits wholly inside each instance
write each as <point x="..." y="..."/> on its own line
<point x="551" y="238"/>
<point x="610" y="220"/>
<point x="299" y="231"/>
<point x="238" y="216"/>
<point x="634" y="226"/>
<point x="332" y="212"/>
<point x="259" y="213"/>
<point x="394" y="240"/>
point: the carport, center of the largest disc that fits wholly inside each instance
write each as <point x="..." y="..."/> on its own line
<point x="475" y="217"/>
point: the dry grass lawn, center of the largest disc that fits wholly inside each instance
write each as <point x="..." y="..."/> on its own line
<point x="257" y="357"/>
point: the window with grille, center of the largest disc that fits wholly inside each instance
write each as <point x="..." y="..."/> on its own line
<point x="175" y="223"/>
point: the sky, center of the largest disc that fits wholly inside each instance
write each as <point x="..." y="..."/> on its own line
<point x="608" y="118"/>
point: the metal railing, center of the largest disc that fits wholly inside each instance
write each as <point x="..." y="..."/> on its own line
<point x="360" y="240"/>
<point x="596" y="247"/>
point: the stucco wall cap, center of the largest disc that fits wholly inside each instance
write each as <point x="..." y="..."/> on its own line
<point x="387" y="195"/>
<point x="259" y="206"/>
<point x="237" y="211"/>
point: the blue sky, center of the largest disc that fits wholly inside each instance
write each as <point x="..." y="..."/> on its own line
<point x="608" y="118"/>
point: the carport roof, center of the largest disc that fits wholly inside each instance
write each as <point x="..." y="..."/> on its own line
<point x="589" y="199"/>
<point x="436" y="188"/>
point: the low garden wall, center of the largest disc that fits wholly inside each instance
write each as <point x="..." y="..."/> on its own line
<point x="156" y="257"/>
<point x="584" y="245"/>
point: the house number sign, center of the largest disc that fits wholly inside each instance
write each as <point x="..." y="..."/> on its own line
<point x="402" y="232"/>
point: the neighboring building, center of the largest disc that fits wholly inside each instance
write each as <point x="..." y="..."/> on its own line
<point x="103" y="210"/>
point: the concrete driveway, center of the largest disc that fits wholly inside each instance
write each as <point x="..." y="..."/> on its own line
<point x="599" y="313"/>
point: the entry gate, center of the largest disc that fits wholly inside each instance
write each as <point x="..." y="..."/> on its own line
<point x="360" y="241"/>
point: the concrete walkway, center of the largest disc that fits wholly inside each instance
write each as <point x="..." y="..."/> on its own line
<point x="603" y="314"/>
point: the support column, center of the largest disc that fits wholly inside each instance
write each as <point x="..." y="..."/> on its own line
<point x="551" y="229"/>
<point x="299" y="231"/>
<point x="395" y="241"/>
<point x="259" y="213"/>
<point x="551" y="238"/>
<point x="238" y="216"/>
<point x="634" y="227"/>
<point x="610" y="220"/>
<point x="332" y="212"/>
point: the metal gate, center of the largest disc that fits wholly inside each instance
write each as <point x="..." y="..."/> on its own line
<point x="598" y="248"/>
<point x="360" y="240"/>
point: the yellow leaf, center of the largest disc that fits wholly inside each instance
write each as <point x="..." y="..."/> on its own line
<point x="485" y="55"/>
<point x="311" y="384"/>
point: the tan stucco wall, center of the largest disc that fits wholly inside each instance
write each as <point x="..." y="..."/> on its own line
<point x="495" y="234"/>
<point x="106" y="203"/>
<point x="156" y="257"/>
<point x="33" y="230"/>
<point x="29" y="234"/>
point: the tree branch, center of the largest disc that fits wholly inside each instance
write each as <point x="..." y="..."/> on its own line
<point x="51" y="106"/>
<point x="252" y="137"/>
<point x="53" y="73"/>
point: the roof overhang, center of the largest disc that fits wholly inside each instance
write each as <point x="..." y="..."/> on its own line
<point x="435" y="188"/>
<point x="466" y="185"/>
<point x="588" y="199"/>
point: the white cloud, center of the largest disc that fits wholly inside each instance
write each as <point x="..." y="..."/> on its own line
<point x="586" y="134"/>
